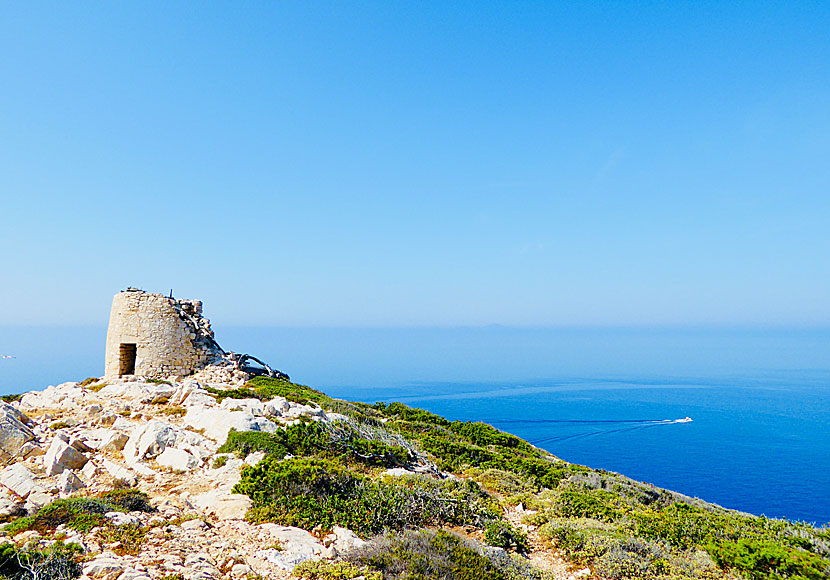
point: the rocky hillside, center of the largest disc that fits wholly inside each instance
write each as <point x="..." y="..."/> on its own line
<point x="218" y="477"/>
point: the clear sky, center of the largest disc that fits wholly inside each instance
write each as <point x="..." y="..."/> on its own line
<point x="421" y="163"/>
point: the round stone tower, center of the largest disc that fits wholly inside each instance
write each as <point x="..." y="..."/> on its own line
<point x="153" y="335"/>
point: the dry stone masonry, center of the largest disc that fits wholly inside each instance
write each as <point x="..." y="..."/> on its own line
<point x="156" y="336"/>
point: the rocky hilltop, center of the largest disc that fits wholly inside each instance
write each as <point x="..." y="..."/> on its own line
<point x="220" y="477"/>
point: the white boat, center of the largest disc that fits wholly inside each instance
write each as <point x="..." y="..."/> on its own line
<point x="684" y="420"/>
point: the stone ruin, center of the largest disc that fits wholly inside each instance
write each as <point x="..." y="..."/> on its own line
<point x="156" y="336"/>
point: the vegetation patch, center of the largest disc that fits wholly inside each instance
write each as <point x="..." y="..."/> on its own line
<point x="58" y="562"/>
<point x="324" y="570"/>
<point x="426" y="554"/>
<point x="129" y="538"/>
<point x="317" y="440"/>
<point x="80" y="513"/>
<point x="11" y="398"/>
<point x="312" y="492"/>
<point x="267" y="388"/>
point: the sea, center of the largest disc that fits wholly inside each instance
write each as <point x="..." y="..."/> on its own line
<point x="619" y="399"/>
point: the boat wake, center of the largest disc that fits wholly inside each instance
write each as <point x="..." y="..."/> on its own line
<point x="601" y="426"/>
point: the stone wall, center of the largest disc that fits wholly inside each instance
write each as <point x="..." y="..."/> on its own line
<point x="168" y="337"/>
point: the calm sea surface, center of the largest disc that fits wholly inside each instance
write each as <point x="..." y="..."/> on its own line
<point x="759" y="439"/>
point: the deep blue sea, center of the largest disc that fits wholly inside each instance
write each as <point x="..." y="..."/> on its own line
<point x="759" y="399"/>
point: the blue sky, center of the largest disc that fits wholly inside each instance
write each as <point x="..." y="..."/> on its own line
<point x="397" y="164"/>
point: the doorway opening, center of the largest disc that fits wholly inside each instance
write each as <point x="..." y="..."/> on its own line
<point x="127" y="366"/>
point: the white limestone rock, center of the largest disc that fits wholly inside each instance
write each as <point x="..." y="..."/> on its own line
<point x="345" y="539"/>
<point x="61" y="456"/>
<point x="107" y="566"/>
<point x="119" y="472"/>
<point x="9" y="505"/>
<point x="149" y="441"/>
<point x="177" y="459"/>
<point x="69" y="482"/>
<point x="19" y="479"/>
<point x="122" y="519"/>
<point x="14" y="431"/>
<point x="217" y="422"/>
<point x="113" y="441"/>
<point x="36" y="500"/>
<point x="139" y="391"/>
<point x="297" y="546"/>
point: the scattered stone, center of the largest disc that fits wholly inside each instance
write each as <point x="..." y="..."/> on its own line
<point x="19" y="479"/>
<point x="69" y="482"/>
<point x="216" y="422"/>
<point x="13" y="430"/>
<point x="194" y="525"/>
<point x="177" y="459"/>
<point x="122" y="519"/>
<point x="114" y="441"/>
<point x="62" y="456"/>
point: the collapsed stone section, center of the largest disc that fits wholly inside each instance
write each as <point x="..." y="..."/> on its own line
<point x="153" y="335"/>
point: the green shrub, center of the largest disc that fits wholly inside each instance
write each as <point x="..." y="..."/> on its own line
<point x="58" y="562"/>
<point x="323" y="570"/>
<point x="765" y="560"/>
<point x="128" y="500"/>
<point x="88" y="381"/>
<point x="425" y="555"/>
<point x="130" y="538"/>
<point x="81" y="513"/>
<point x="502" y="535"/>
<point x="597" y="505"/>
<point x="11" y="398"/>
<point x="314" y="439"/>
<point x="315" y="492"/>
<point x="504" y="482"/>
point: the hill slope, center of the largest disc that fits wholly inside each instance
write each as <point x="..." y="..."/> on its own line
<point x="219" y="477"/>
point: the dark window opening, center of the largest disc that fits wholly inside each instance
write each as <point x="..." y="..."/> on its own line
<point x="127" y="366"/>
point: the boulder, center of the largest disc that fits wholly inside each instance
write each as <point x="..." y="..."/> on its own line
<point x="61" y="455"/>
<point x="119" y="472"/>
<point x="19" y="479"/>
<point x="217" y="422"/>
<point x="297" y="546"/>
<point x="69" y="482"/>
<point x="177" y="459"/>
<point x="224" y="505"/>
<point x="36" y="500"/>
<point x="122" y="519"/>
<point x="114" y="441"/>
<point x="107" y="566"/>
<point x="139" y="391"/>
<point x="10" y="506"/>
<point x="149" y="441"/>
<point x="345" y="539"/>
<point x="14" y="432"/>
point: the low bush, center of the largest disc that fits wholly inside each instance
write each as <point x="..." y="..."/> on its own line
<point x="316" y="440"/>
<point x="502" y="535"/>
<point x="765" y="560"/>
<point x="425" y="555"/>
<point x="598" y="505"/>
<point x="129" y="537"/>
<point x="81" y="513"/>
<point x="324" y="570"/>
<point x="128" y="500"/>
<point x="58" y="562"/>
<point x="504" y="482"/>
<point x="267" y="388"/>
<point x="315" y="492"/>
<point x="11" y="398"/>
